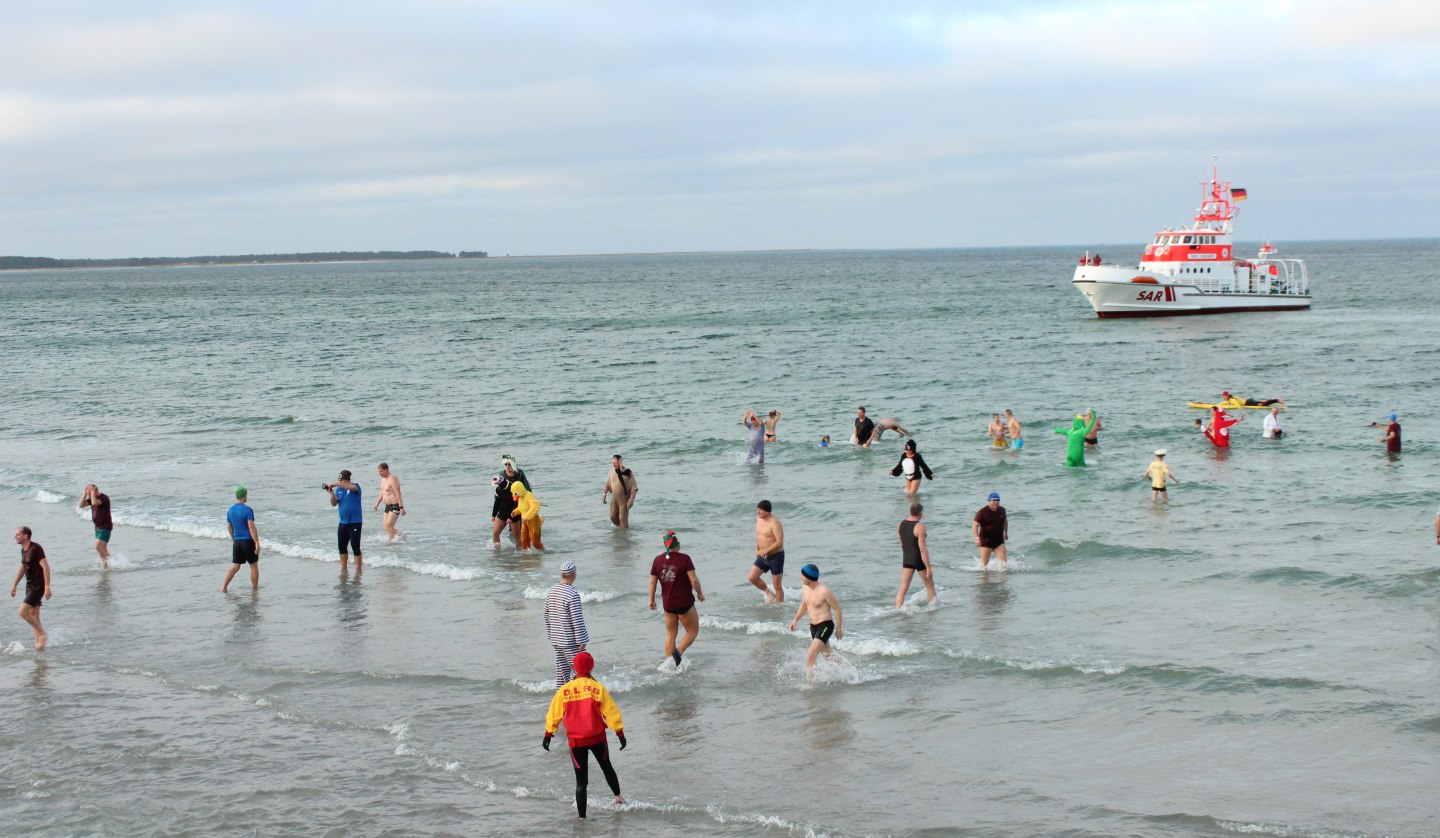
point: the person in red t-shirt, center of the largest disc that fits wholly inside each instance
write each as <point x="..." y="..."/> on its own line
<point x="1392" y="432"/>
<point x="679" y="588"/>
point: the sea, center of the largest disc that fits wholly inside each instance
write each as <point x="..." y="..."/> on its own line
<point x="1259" y="657"/>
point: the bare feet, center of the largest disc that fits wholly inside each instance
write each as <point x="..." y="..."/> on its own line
<point x="41" y="641"/>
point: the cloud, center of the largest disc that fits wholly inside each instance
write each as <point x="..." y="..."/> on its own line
<point x="557" y="127"/>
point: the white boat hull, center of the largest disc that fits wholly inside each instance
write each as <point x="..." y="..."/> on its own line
<point x="1115" y="291"/>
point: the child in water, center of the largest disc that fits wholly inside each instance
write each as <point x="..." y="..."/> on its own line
<point x="825" y="441"/>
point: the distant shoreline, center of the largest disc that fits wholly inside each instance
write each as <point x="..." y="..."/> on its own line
<point x="32" y="263"/>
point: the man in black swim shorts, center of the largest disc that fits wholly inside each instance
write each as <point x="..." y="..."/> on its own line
<point x="769" y="552"/>
<point x="825" y="617"/>
<point x="35" y="570"/>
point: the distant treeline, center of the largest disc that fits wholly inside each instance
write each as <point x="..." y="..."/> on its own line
<point x="22" y="262"/>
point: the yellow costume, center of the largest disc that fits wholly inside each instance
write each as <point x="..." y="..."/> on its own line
<point x="530" y="521"/>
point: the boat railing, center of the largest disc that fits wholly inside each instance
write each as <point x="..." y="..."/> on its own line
<point x="1292" y="278"/>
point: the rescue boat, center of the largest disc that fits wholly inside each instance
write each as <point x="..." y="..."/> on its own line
<point x="1195" y="270"/>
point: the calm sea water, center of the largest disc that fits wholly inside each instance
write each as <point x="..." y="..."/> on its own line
<point x="1258" y="658"/>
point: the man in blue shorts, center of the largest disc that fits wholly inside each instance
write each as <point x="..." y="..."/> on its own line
<point x="245" y="540"/>
<point x="769" y="552"/>
<point x="346" y="495"/>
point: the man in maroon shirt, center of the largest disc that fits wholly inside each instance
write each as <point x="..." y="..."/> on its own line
<point x="1392" y="433"/>
<point x="679" y="587"/>
<point x="99" y="504"/>
<point x="35" y="570"/>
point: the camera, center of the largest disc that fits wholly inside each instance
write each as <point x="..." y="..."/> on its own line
<point x="325" y="486"/>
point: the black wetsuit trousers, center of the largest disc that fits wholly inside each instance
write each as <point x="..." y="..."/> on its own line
<point x="580" y="756"/>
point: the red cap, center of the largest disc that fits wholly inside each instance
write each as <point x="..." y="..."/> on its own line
<point x="584" y="664"/>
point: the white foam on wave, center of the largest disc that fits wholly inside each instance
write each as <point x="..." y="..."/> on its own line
<point x="15" y="647"/>
<point x="538" y="687"/>
<point x="877" y="646"/>
<point x="120" y="561"/>
<point x="835" y="669"/>
<point x="1100" y="667"/>
<point x="48" y="497"/>
<point x="296" y="551"/>
<point x="585" y="596"/>
<point x="1014" y="565"/>
<point x="752" y="627"/>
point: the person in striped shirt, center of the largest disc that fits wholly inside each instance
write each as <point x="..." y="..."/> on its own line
<point x="565" y="623"/>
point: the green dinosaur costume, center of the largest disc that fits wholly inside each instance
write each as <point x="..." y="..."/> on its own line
<point x="1075" y="434"/>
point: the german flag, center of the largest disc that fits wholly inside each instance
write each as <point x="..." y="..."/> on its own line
<point x="1237" y="194"/>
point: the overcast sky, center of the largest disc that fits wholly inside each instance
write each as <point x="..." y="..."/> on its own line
<point x="186" y="128"/>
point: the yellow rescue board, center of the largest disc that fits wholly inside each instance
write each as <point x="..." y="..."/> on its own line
<point x="1235" y="406"/>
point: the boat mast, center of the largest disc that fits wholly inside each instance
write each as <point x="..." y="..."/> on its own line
<point x="1216" y="206"/>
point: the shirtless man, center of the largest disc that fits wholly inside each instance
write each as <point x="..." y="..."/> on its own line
<point x="770" y="422"/>
<point x="390" y="496"/>
<point x="888" y="425"/>
<point x="769" y="552"/>
<point x="1012" y="427"/>
<point x="996" y="432"/>
<point x="825" y="616"/>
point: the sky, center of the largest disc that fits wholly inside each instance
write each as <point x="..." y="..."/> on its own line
<point x="542" y="127"/>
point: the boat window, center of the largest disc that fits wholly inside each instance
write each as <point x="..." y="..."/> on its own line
<point x="1186" y="241"/>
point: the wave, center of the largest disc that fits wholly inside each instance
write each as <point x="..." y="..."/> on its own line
<point x="585" y="596"/>
<point x="49" y="497"/>
<point x="750" y="627"/>
<point x="1100" y="667"/>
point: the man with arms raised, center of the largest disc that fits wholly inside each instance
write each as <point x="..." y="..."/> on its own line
<point x="769" y="552"/>
<point x="99" y="504"/>
<point x="679" y="588"/>
<point x="346" y="496"/>
<point x="394" y="503"/>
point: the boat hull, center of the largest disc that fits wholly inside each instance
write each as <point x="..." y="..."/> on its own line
<point x="1116" y="292"/>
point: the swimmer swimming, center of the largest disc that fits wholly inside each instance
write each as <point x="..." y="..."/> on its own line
<point x="888" y="425"/>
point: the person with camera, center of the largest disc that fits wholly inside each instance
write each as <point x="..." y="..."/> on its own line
<point x="345" y="495"/>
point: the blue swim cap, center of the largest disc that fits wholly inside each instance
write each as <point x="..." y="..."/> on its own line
<point x="1393" y="417"/>
<point x="810" y="572"/>
<point x="994" y="496"/>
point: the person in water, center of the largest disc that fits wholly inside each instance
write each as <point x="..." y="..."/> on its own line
<point x="1272" y="424"/>
<point x="1075" y="438"/>
<point x="889" y="425"/>
<point x="911" y="465"/>
<point x="586" y="709"/>
<point x="1012" y="427"/>
<point x="1159" y="472"/>
<point x="1220" y="424"/>
<point x="770" y="422"/>
<point x="864" y="429"/>
<point x="621" y="488"/>
<point x="674" y="572"/>
<point x="769" y="552"/>
<point x="1092" y="439"/>
<point x="996" y="432"/>
<point x="394" y="502"/>
<point x="35" y="570"/>
<point x="1235" y="401"/>
<point x="825" y="441"/>
<point x="991" y="529"/>
<point x="1392" y="432"/>
<point x="914" y="556"/>
<point x="502" y="512"/>
<point x="100" y="519"/>
<point x="756" y="451"/>
<point x="244" y="540"/>
<point x="825" y="617"/>
<point x="345" y="496"/>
